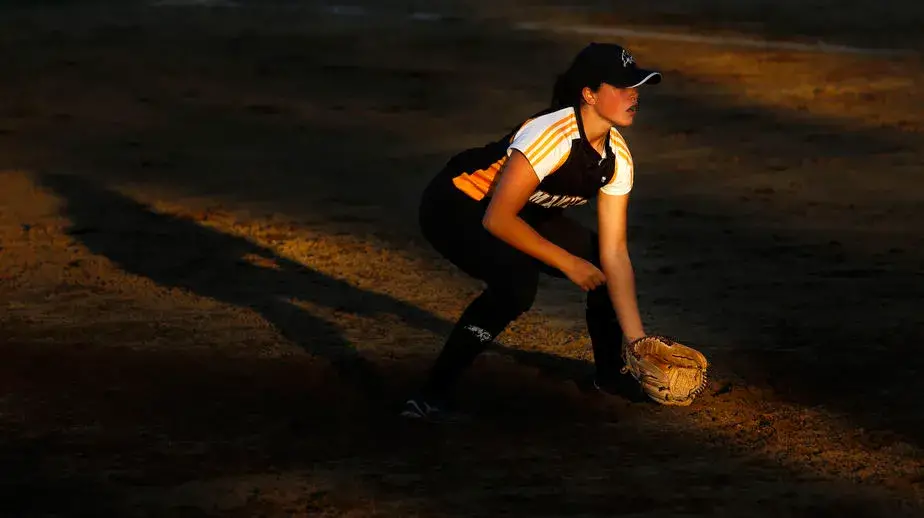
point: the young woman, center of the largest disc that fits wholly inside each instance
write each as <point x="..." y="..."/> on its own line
<point x="496" y="212"/>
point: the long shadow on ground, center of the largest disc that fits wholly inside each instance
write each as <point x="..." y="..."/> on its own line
<point x="177" y="252"/>
<point x="182" y="253"/>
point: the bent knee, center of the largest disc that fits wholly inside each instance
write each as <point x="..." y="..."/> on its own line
<point x="517" y="295"/>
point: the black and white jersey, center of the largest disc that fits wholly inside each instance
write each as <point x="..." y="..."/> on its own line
<point x="570" y="170"/>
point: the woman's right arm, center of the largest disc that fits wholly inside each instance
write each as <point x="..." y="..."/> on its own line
<point x="517" y="181"/>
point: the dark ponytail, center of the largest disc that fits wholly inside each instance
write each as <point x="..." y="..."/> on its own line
<point x="569" y="85"/>
<point x="562" y="93"/>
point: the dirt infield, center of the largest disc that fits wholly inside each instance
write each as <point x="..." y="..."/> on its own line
<point x="213" y="292"/>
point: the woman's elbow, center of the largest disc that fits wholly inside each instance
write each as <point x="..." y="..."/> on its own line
<point x="489" y="222"/>
<point x="494" y="222"/>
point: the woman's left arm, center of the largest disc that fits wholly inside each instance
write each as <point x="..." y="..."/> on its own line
<point x="617" y="267"/>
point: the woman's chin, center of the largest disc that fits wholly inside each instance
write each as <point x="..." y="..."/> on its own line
<point x="626" y="120"/>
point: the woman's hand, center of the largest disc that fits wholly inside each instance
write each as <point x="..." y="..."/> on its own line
<point x="584" y="273"/>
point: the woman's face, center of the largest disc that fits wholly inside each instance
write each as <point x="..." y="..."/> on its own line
<point x="617" y="105"/>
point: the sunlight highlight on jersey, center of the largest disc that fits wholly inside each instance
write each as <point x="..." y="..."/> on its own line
<point x="570" y="171"/>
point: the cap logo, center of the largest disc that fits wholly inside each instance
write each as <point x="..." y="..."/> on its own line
<point x="627" y="58"/>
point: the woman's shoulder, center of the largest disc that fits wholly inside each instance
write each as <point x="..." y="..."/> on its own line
<point x="558" y="124"/>
<point x="619" y="144"/>
<point x="537" y="125"/>
<point x="549" y="117"/>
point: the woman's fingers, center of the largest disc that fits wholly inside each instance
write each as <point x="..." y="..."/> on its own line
<point x="594" y="281"/>
<point x="598" y="279"/>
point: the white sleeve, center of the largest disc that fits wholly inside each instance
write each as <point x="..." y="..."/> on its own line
<point x="624" y="175"/>
<point x="546" y="142"/>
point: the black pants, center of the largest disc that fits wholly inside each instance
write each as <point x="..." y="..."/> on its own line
<point x="452" y="222"/>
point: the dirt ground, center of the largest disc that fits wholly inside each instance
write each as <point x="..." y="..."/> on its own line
<point x="214" y="295"/>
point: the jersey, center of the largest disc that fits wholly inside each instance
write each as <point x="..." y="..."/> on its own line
<point x="570" y="170"/>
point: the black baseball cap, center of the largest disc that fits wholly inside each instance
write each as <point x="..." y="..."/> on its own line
<point x="611" y="64"/>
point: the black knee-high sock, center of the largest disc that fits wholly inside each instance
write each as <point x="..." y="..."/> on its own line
<point x="486" y="317"/>
<point x="605" y="333"/>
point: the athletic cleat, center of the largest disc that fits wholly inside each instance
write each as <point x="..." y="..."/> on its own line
<point x="417" y="408"/>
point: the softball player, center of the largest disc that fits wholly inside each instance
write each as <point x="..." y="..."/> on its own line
<point x="497" y="213"/>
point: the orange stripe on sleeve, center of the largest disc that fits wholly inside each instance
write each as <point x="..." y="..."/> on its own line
<point x="546" y="136"/>
<point x="562" y="136"/>
<point x="625" y="156"/>
<point x="621" y="149"/>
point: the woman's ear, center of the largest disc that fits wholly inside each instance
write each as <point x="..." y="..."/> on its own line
<point x="589" y="96"/>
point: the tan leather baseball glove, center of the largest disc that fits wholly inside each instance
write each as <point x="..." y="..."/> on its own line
<point x="669" y="372"/>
